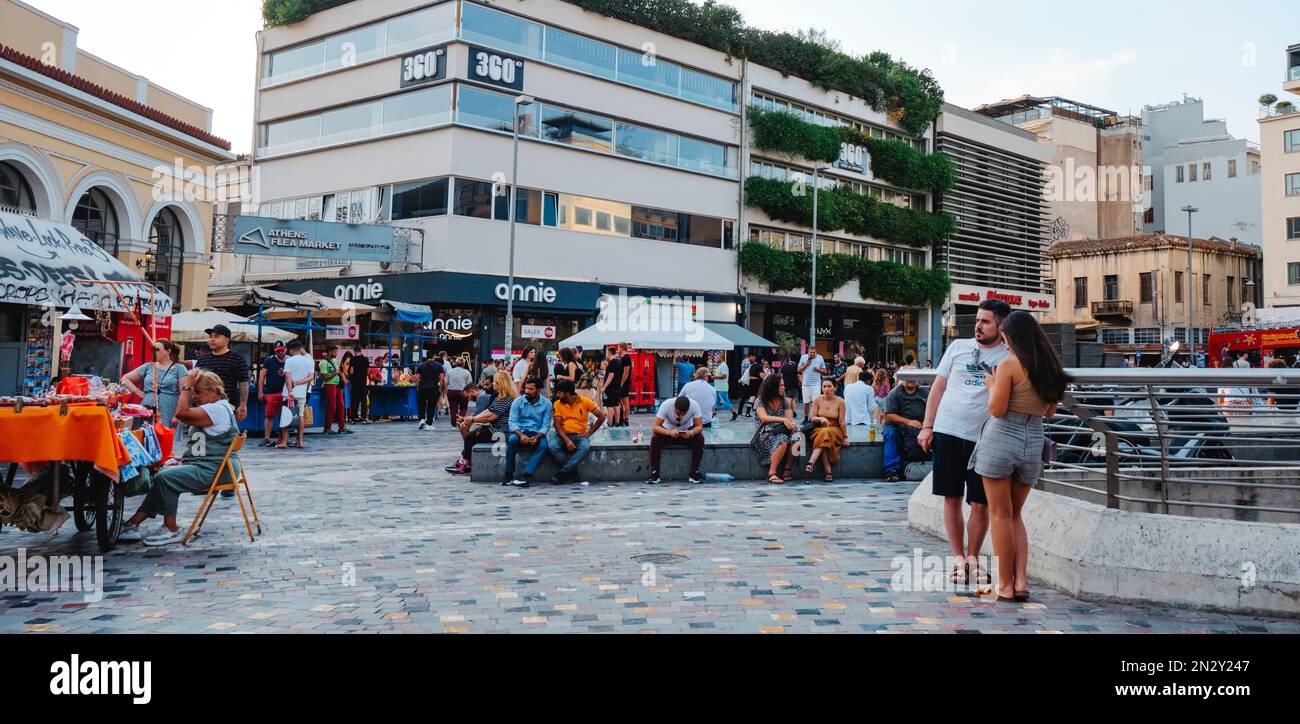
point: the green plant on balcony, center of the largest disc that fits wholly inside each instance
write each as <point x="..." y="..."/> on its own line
<point x="288" y="12"/>
<point x="847" y="210"/>
<point x="782" y="271"/>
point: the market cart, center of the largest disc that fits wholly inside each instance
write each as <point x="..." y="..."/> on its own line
<point x="84" y="454"/>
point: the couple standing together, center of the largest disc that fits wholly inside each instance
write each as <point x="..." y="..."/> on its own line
<point x="984" y="424"/>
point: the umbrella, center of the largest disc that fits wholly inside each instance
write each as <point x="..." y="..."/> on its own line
<point x="330" y="309"/>
<point x="697" y="338"/>
<point x="189" y="326"/>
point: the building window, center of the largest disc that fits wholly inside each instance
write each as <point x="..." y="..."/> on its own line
<point x="1293" y="273"/>
<point x="1291" y="141"/>
<point x="1205" y="289"/>
<point x="1293" y="227"/>
<point x="1080" y="292"/>
<point x="1293" y="184"/>
<point x="1110" y="287"/>
<point x="412" y="31"/>
<point x="96" y="218"/>
<point x="1232" y="168"/>
<point x="1231" y="287"/>
<point x="474" y="198"/>
<point x="399" y="113"/>
<point x="1178" y="287"/>
<point x="1205" y="171"/>
<point x="1114" y="336"/>
<point x="1191" y="172"/>
<point x="1146" y="291"/>
<point x="577" y="129"/>
<point x="1149" y="216"/>
<point x="168" y="244"/>
<point x="14" y="189"/>
<point x="1178" y="174"/>
<point x="1146" y="335"/>
<point x="646" y="144"/>
<point x="419" y="199"/>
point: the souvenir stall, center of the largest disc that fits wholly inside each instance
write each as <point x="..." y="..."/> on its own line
<point x="651" y="352"/>
<point x="401" y="330"/>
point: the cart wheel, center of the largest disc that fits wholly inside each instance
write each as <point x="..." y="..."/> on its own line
<point x="83" y="500"/>
<point x="108" y="511"/>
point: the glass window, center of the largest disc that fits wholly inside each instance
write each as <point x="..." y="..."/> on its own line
<point x="418" y="109"/>
<point x="623" y="225"/>
<point x="550" y="204"/>
<point x="1178" y="174"/>
<point x="1291" y="141"/>
<point x="14" y="189"/>
<point x="417" y="30"/>
<point x="353" y="47"/>
<point x="1232" y="169"/>
<point x="581" y="216"/>
<point x="96" y="218"/>
<point x="294" y="134"/>
<point x="1293" y="273"/>
<point x="603" y="221"/>
<point x="499" y="30"/>
<point x="576" y="129"/>
<point x="1205" y="171"/>
<point x="1114" y="336"/>
<point x="1178" y="287"/>
<point x="295" y="62"/>
<point x="1205" y="289"/>
<point x="703" y="156"/>
<point x="1191" y="172"/>
<point x="647" y="144"/>
<point x="484" y="109"/>
<point x="1110" y="287"/>
<point x="580" y="53"/>
<point x="1080" y="292"/>
<point x="168" y="244"/>
<point x="1147" y="335"/>
<point x="419" y="199"/>
<point x="1293" y="184"/>
<point x="646" y="71"/>
<point x="1293" y="227"/>
<point x="708" y="90"/>
<point x="1146" y="291"/>
<point x="473" y="198"/>
<point x="351" y="123"/>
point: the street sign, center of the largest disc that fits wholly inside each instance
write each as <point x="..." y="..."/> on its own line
<point x="342" y="331"/>
<point x="263" y="236"/>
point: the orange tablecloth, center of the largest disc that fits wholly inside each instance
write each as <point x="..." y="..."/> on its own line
<point x="41" y="434"/>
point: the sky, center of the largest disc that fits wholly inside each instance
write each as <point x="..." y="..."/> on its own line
<point x="1113" y="54"/>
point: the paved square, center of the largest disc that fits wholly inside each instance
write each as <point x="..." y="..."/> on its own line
<point x="366" y="533"/>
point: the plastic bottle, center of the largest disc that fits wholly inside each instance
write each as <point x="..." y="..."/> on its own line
<point x="636" y="435"/>
<point x="871" y="432"/>
<point x="719" y="477"/>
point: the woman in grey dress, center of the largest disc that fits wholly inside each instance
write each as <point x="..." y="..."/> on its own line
<point x="776" y="429"/>
<point x="169" y="372"/>
<point x="1023" y="389"/>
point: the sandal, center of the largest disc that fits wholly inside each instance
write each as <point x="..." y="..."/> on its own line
<point x="829" y="478"/>
<point x="808" y="468"/>
<point x="982" y="577"/>
<point x="786" y="476"/>
<point x="960" y="574"/>
<point x="1021" y="596"/>
<point x="775" y="480"/>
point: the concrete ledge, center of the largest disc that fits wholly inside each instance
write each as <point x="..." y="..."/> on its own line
<point x="628" y="462"/>
<point x="1094" y="553"/>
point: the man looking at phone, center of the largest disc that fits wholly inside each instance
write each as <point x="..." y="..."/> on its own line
<point x="954" y="415"/>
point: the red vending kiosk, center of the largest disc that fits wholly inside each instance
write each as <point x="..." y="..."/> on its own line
<point x="643" y="380"/>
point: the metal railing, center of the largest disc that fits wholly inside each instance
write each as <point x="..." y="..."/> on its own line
<point x="1112" y="307"/>
<point x="1198" y="442"/>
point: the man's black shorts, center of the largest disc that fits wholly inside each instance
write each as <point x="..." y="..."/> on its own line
<point x="951" y="478"/>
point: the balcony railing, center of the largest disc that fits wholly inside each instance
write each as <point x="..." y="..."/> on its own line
<point x="1214" y="443"/>
<point x="1112" y="308"/>
<point x="1294" y="73"/>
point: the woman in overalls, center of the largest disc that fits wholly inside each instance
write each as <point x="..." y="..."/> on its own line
<point x="213" y="427"/>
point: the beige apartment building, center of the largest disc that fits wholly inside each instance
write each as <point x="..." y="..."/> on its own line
<point x="1133" y="290"/>
<point x="1279" y="142"/>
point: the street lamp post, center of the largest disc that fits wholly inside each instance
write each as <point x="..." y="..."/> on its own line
<point x="522" y="100"/>
<point x="812" y="317"/>
<point x="1191" y="341"/>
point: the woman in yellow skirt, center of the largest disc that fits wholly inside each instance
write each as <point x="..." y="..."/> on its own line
<point x="829" y="432"/>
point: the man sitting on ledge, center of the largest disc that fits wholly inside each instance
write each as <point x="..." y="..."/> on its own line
<point x="530" y="420"/>
<point x="571" y="439"/>
<point x="680" y="423"/>
<point x="904" y="411"/>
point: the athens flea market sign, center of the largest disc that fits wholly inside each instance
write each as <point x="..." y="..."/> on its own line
<point x="314" y="239"/>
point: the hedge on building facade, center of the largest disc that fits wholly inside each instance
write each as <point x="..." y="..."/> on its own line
<point x="883" y="281"/>
<point x="288" y="12"/>
<point x="840" y="209"/>
<point x="912" y="96"/>
<point x="891" y="160"/>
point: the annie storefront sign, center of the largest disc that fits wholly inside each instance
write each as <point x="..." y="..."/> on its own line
<point x="42" y="261"/>
<point x="314" y="239"/>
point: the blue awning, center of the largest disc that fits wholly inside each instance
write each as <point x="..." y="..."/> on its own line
<point x="738" y="335"/>
<point x="418" y="313"/>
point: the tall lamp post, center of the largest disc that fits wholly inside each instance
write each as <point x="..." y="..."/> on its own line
<point x="812" y="317"/>
<point x="522" y="100"/>
<point x="1191" y="341"/>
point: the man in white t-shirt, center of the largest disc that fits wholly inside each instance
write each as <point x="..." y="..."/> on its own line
<point x="299" y="372"/>
<point x="679" y="423"/>
<point x="702" y="394"/>
<point x="954" y="416"/>
<point x="811" y="366"/>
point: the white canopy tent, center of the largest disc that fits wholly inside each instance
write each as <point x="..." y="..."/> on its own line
<point x="665" y="343"/>
<point x="189" y="326"/>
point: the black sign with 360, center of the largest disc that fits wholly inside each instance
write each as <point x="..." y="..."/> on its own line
<point x="424" y="66"/>
<point x="496" y="68"/>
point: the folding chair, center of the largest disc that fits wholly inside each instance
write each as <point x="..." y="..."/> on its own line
<point x="218" y="486"/>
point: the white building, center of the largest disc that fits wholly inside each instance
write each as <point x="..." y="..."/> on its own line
<point x="401" y="112"/>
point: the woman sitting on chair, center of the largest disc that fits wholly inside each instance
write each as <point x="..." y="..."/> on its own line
<point x="213" y="428"/>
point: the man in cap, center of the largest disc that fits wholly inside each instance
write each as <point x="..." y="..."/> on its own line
<point x="270" y="386"/>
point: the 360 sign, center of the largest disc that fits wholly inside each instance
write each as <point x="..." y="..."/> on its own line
<point x="424" y="66"/>
<point x="496" y="68"/>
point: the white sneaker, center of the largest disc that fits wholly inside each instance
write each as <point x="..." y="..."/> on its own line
<point x="165" y="537"/>
<point x="133" y="534"/>
<point x="422" y="426"/>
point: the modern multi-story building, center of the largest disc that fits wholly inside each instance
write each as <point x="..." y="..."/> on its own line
<point x="124" y="161"/>
<point x="1096" y="177"/>
<point x="1133" y="290"/>
<point x="1195" y="162"/>
<point x="1002" y="216"/>
<point x="1279" y="140"/>
<point x="631" y="153"/>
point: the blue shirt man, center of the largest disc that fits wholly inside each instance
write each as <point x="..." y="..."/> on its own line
<point x="685" y="371"/>
<point x="530" y="420"/>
